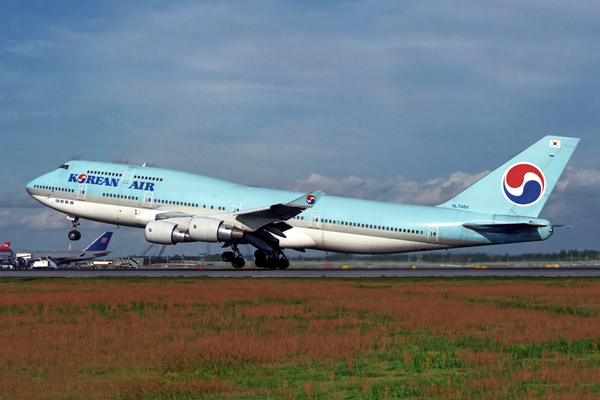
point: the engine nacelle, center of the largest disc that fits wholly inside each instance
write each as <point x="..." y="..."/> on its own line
<point x="165" y="232"/>
<point x="200" y="229"/>
<point x="204" y="229"/>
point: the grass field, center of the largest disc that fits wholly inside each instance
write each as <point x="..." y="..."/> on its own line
<point x="139" y="338"/>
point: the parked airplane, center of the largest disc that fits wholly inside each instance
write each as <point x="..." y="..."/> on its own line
<point x="95" y="250"/>
<point x="6" y="256"/>
<point x="5" y="251"/>
<point x="176" y="207"/>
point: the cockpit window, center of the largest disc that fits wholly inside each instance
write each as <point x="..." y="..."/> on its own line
<point x="64" y="166"/>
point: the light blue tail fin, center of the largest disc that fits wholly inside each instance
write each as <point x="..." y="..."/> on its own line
<point x="522" y="185"/>
<point x="100" y="244"/>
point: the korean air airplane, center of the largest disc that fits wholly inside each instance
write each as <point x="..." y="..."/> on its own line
<point x="173" y="207"/>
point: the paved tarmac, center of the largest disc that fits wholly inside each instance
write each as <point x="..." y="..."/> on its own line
<point x="578" y="272"/>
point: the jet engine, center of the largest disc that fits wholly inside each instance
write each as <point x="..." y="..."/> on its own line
<point x="202" y="229"/>
<point x="199" y="229"/>
<point x="166" y="232"/>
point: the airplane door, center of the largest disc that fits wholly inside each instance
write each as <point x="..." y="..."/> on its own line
<point x="432" y="234"/>
<point x="315" y="219"/>
<point x="128" y="174"/>
<point x="148" y="199"/>
<point x="81" y="192"/>
<point x="237" y="206"/>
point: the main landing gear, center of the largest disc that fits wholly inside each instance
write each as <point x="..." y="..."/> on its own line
<point x="234" y="257"/>
<point x="274" y="260"/>
<point x="271" y="261"/>
<point x="74" y="234"/>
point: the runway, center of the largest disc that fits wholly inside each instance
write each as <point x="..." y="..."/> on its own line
<point x="353" y="273"/>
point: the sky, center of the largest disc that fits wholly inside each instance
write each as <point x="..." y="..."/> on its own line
<point x="406" y="102"/>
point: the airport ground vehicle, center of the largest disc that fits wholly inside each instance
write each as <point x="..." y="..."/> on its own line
<point x="44" y="264"/>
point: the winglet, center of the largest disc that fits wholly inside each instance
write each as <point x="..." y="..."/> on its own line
<point x="308" y="200"/>
<point x="280" y="211"/>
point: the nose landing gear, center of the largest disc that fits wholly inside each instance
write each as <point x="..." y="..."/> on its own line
<point x="74" y="234"/>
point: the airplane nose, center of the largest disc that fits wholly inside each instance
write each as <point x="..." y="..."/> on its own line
<point x="29" y="187"/>
<point x="36" y="183"/>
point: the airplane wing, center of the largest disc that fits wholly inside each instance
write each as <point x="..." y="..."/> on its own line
<point x="283" y="211"/>
<point x="259" y="221"/>
<point x="501" y="227"/>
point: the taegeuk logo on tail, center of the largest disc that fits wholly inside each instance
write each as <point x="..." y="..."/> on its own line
<point x="523" y="184"/>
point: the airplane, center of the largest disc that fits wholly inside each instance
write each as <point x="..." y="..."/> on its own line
<point x="6" y="256"/>
<point x="174" y="207"/>
<point x="5" y="251"/>
<point x="95" y="250"/>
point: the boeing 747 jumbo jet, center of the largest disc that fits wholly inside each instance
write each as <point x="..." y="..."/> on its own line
<point x="175" y="207"/>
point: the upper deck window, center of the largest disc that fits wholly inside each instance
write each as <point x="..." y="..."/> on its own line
<point x="64" y="166"/>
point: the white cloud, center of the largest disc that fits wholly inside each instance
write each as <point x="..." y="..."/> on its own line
<point x="268" y="93"/>
<point x="27" y="48"/>
<point x="15" y="218"/>
<point x="36" y="220"/>
<point x="577" y="178"/>
<point x="395" y="190"/>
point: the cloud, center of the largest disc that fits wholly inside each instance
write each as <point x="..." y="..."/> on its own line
<point x="575" y="178"/>
<point x="15" y="218"/>
<point x="269" y="93"/>
<point x="18" y="199"/>
<point x="576" y="198"/>
<point x="27" y="48"/>
<point x="395" y="190"/>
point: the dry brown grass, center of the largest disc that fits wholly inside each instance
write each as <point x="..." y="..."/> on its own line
<point x="91" y="338"/>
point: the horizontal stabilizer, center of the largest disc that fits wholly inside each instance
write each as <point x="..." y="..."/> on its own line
<point x="502" y="227"/>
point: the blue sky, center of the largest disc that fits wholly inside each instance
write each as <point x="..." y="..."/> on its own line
<point x="396" y="101"/>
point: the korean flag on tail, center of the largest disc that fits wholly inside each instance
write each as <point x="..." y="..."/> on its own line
<point x="555" y="143"/>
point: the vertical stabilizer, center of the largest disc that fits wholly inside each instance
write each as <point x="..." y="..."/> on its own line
<point x="100" y="244"/>
<point x="522" y="185"/>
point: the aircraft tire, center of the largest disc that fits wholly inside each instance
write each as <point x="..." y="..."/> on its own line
<point x="74" y="235"/>
<point x="272" y="263"/>
<point x="228" y="256"/>
<point x="238" y="263"/>
<point x="283" y="263"/>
